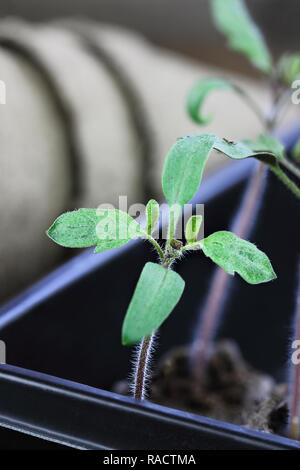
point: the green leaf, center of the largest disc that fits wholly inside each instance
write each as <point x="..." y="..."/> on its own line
<point x="152" y="214"/>
<point x="236" y="255"/>
<point x="87" y="227"/>
<point x="116" y="229"/>
<point x="245" y="149"/>
<point x="75" y="229"/>
<point x="267" y="143"/>
<point x="192" y="228"/>
<point x="202" y="88"/>
<point x="233" y="19"/>
<point x="289" y="68"/>
<point x="199" y="92"/>
<point x="185" y="163"/>
<point x="156" y="294"/>
<point x="236" y="150"/>
<point x="184" y="167"/>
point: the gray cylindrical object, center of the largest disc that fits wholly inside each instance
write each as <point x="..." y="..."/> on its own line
<point x="33" y="167"/>
<point x="56" y="92"/>
<point x="91" y="113"/>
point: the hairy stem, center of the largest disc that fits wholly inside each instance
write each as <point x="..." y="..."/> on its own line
<point x="286" y="180"/>
<point x="157" y="247"/>
<point x="290" y="166"/>
<point x="294" y="422"/>
<point x="142" y="367"/>
<point x="173" y="218"/>
<point x="141" y="373"/>
<point x="206" y="329"/>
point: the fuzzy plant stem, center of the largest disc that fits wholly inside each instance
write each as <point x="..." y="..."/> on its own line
<point x="142" y="367"/>
<point x="286" y="180"/>
<point x="294" y="420"/>
<point x="144" y="349"/>
<point x="241" y="226"/>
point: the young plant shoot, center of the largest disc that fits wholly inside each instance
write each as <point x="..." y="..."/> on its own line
<point x="232" y="19"/>
<point x="159" y="288"/>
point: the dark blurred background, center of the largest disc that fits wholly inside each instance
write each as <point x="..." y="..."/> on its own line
<point x="181" y="25"/>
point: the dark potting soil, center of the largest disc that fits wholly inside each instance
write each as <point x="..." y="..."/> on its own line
<point x="230" y="389"/>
